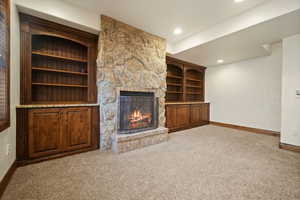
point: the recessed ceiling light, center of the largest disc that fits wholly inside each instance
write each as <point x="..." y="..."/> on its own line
<point x="220" y="61"/>
<point x="177" y="31"/>
<point x="238" y="1"/>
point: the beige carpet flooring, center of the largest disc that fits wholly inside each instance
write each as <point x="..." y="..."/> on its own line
<point x="206" y="163"/>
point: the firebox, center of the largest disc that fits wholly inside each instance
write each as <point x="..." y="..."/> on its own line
<point x="138" y="112"/>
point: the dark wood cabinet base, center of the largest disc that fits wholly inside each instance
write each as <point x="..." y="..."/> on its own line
<point x="183" y="116"/>
<point x="48" y="133"/>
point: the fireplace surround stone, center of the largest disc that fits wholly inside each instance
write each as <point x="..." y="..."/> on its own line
<point x="129" y="59"/>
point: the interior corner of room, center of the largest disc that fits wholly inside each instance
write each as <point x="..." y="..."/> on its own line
<point x="82" y="77"/>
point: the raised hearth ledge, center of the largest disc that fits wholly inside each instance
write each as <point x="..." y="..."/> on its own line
<point x="129" y="142"/>
<point x="188" y="102"/>
<point x="55" y="105"/>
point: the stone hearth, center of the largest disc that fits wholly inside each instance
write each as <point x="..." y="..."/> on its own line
<point x="131" y="142"/>
<point x="129" y="59"/>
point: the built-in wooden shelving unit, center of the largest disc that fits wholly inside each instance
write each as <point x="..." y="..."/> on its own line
<point x="185" y="81"/>
<point x="58" y="115"/>
<point x="174" y="82"/>
<point x="63" y="60"/>
<point x="58" y="63"/>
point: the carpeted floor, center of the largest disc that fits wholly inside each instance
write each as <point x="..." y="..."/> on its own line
<point x="206" y="163"/>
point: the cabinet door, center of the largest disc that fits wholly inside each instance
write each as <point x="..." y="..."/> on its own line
<point x="44" y="135"/>
<point x="199" y="114"/>
<point x="77" y="128"/>
<point x="196" y="114"/>
<point x="183" y="116"/>
<point x="205" y="113"/>
<point x="171" y="117"/>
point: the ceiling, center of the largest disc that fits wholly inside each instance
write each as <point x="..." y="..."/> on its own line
<point x="244" y="44"/>
<point x="161" y="17"/>
<point x="212" y="29"/>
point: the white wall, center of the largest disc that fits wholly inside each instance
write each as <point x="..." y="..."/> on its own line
<point x="247" y="93"/>
<point x="8" y="136"/>
<point x="61" y="12"/>
<point x="290" y="123"/>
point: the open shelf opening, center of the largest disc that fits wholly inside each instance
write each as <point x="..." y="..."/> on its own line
<point x="174" y="83"/>
<point x="59" y="70"/>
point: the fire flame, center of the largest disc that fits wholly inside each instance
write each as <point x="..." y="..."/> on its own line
<point x="138" y="119"/>
<point x="136" y="115"/>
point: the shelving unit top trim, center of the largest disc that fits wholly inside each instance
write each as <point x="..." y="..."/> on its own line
<point x="171" y="60"/>
<point x="42" y="26"/>
<point x="43" y="33"/>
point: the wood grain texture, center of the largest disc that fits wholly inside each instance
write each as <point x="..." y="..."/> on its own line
<point x="77" y="128"/>
<point x="5" y="181"/>
<point x="45" y="133"/>
<point x="185" y="81"/>
<point x="249" y="129"/>
<point x="48" y="133"/>
<point x="289" y="147"/>
<point x="58" y="63"/>
<point x="180" y="117"/>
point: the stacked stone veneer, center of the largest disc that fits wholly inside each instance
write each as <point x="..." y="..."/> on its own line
<point x="132" y="60"/>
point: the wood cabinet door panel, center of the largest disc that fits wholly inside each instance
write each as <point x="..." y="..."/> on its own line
<point x="183" y="116"/>
<point x="205" y="113"/>
<point x="196" y="114"/>
<point x="77" y="128"/>
<point x="44" y="132"/>
<point x="171" y="117"/>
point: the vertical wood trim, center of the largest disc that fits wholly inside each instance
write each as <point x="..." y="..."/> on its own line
<point x="184" y="83"/>
<point x="203" y="85"/>
<point x="22" y="134"/>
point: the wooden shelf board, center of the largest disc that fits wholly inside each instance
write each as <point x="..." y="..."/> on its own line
<point x="60" y="57"/>
<point x="59" y="71"/>
<point x="193" y="79"/>
<point x="193" y="93"/>
<point x="59" y="85"/>
<point x="175" y="84"/>
<point x="174" y="92"/>
<point x="173" y="76"/>
<point x="193" y="86"/>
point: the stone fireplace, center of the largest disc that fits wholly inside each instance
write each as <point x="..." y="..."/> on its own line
<point x="131" y="87"/>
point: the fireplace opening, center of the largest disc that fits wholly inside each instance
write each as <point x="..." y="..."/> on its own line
<point x="138" y="112"/>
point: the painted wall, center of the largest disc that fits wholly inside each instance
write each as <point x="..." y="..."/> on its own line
<point x="290" y="123"/>
<point x="247" y="93"/>
<point x="61" y="12"/>
<point x="8" y="136"/>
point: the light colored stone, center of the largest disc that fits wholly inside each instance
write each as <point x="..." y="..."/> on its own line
<point x="127" y="143"/>
<point x="131" y="59"/>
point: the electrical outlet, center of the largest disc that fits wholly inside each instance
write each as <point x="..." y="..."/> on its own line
<point x="8" y="150"/>
<point x="297" y="93"/>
